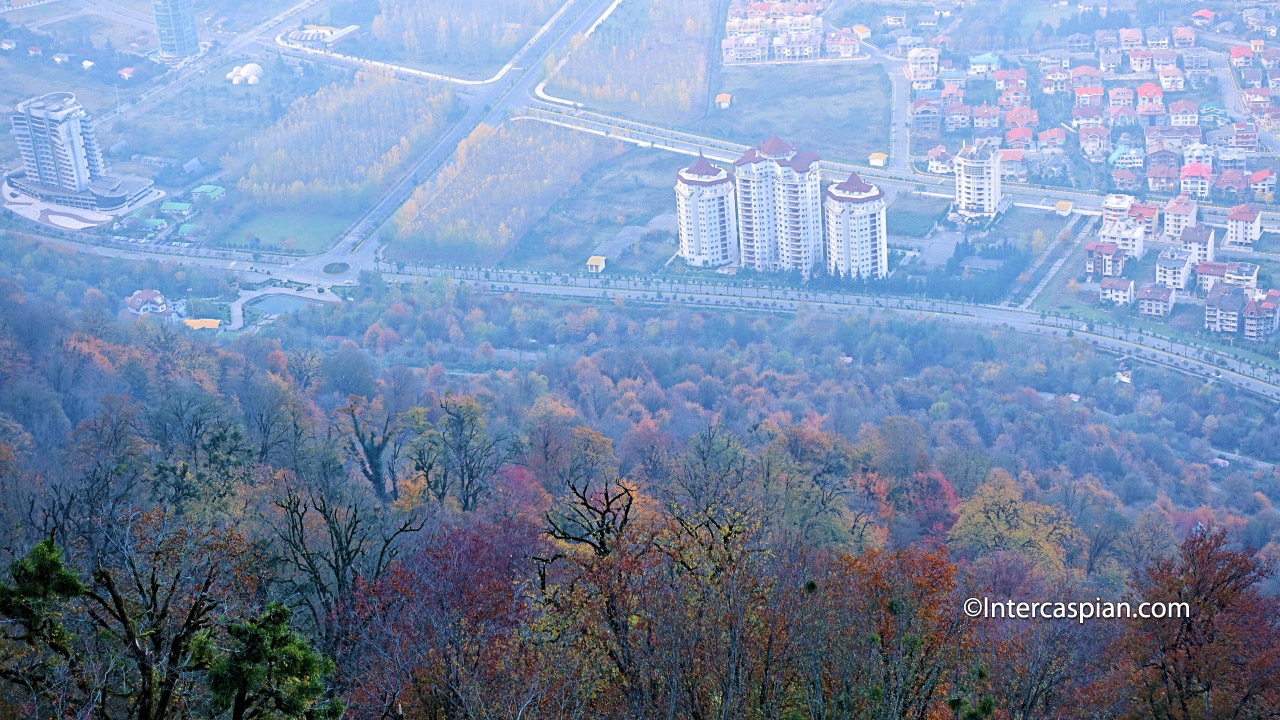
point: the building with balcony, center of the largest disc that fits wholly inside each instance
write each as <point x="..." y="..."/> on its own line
<point x="857" y="241"/>
<point x="707" y="215"/>
<point x="977" y="181"/>
<point x="779" y="208"/>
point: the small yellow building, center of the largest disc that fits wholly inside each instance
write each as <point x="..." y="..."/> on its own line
<point x="202" y="323"/>
<point x="862" y="32"/>
<point x="723" y="100"/>
<point x="878" y="159"/>
<point x="595" y="263"/>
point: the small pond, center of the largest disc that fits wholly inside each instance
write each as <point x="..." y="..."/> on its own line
<point x="280" y="304"/>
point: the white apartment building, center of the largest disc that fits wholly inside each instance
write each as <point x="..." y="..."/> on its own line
<point x="978" y="181"/>
<point x="779" y="208"/>
<point x="1244" y="225"/>
<point x="1115" y="207"/>
<point x="1199" y="241"/>
<point x="857" y="239"/>
<point x="707" y="213"/>
<point x="1174" y="268"/>
<point x="1180" y="213"/>
<point x="62" y="162"/>
<point x="57" y="142"/>
<point x="1128" y="236"/>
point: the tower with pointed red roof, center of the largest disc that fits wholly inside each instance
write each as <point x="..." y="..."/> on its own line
<point x="857" y="240"/>
<point x="779" y="208"/>
<point x="707" y="215"/>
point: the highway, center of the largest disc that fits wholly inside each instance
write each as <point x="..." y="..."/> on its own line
<point x="1182" y="357"/>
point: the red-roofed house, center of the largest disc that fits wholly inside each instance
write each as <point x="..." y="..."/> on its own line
<point x="941" y="162"/>
<point x="1257" y="98"/>
<point x="986" y="117"/>
<point x="1116" y="290"/>
<point x="1120" y="116"/>
<point x="1195" y="179"/>
<point x="1262" y="183"/>
<point x="1241" y="56"/>
<point x="1015" y="78"/>
<point x="1052" y="140"/>
<point x="148" y="302"/>
<point x="1021" y="117"/>
<point x="1103" y="258"/>
<point x="1141" y="61"/>
<point x="1012" y="98"/>
<point x="1120" y="97"/>
<point x="1232" y="184"/>
<point x="1149" y="93"/>
<point x="1131" y="38"/>
<point x="1184" y="37"/>
<point x="1180" y="213"/>
<point x="1202" y="17"/>
<point x="1262" y="315"/>
<point x="1184" y="113"/>
<point x="1019" y="138"/>
<point x="1162" y="178"/>
<point x="1089" y="96"/>
<point x="1146" y="215"/>
<point x="1095" y="140"/>
<point x="1172" y="80"/>
<point x="1085" y="75"/>
<point x="957" y="116"/>
<point x="1125" y="179"/>
<point x="1244" y="225"/>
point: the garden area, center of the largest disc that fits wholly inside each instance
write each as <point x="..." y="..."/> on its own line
<point x="283" y="230"/>
<point x="913" y="215"/>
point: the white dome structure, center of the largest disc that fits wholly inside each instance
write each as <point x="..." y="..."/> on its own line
<point x="250" y="74"/>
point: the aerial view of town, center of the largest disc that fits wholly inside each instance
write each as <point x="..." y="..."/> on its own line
<point x="630" y="359"/>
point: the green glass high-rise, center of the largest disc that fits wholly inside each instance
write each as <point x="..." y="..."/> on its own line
<point x="176" y="27"/>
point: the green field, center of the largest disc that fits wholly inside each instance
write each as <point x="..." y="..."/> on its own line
<point x="838" y="110"/>
<point x="630" y="189"/>
<point x="309" y="232"/>
<point x="912" y="215"/>
<point x="1021" y="224"/>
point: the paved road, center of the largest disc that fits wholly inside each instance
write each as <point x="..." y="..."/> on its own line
<point x="237" y="307"/>
<point x="1192" y="359"/>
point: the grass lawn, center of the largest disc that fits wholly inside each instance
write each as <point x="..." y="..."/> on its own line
<point x="837" y="110"/>
<point x="309" y="232"/>
<point x="912" y="215"/>
<point x="1021" y="223"/>
<point x="630" y="189"/>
